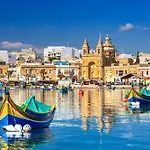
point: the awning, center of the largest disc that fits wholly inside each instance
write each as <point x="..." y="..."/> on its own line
<point x="131" y="75"/>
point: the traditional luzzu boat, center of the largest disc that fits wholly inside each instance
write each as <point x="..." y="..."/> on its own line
<point x="135" y="97"/>
<point x="33" y="113"/>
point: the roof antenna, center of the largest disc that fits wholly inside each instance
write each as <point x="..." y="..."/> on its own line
<point x="100" y="36"/>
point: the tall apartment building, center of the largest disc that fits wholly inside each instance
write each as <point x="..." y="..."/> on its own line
<point x="60" y="52"/>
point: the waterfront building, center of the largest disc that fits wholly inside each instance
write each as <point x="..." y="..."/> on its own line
<point x="60" y="52"/>
<point x="144" y="58"/>
<point x="144" y="70"/>
<point x="25" y="54"/>
<point x="125" y="59"/>
<point x="3" y="70"/>
<point x="67" y="52"/>
<point x="7" y="57"/>
<point x="37" y="71"/>
<point x="78" y="53"/>
<point x="105" y="64"/>
<point x="7" y="65"/>
<point x="144" y="66"/>
<point x="69" y="69"/>
<point x="114" y="72"/>
<point x="53" y="52"/>
<point x="4" y="55"/>
<point x="93" y="63"/>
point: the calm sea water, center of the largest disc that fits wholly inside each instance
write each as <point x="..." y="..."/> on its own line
<point x="97" y="120"/>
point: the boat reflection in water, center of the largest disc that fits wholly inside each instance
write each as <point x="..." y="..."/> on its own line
<point x="16" y="140"/>
<point x="141" y="108"/>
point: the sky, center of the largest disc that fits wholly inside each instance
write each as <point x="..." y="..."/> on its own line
<point x="42" y="23"/>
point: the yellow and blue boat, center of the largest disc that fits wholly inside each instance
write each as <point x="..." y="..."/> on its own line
<point x="140" y="97"/>
<point x="34" y="113"/>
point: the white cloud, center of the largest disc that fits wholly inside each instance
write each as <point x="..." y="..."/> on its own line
<point x="127" y="26"/>
<point x="19" y="45"/>
<point x="145" y="28"/>
<point x="15" y="45"/>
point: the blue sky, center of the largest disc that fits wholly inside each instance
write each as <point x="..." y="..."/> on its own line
<point x="41" y="23"/>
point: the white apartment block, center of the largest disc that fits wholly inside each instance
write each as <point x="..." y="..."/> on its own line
<point x="60" y="52"/>
<point x="53" y="51"/>
<point x="7" y="57"/>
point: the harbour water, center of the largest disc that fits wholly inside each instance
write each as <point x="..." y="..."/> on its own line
<point x="97" y="120"/>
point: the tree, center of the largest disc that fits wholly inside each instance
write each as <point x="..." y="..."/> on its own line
<point x="137" y="58"/>
<point x="27" y="77"/>
<point x="60" y="75"/>
<point x="43" y="72"/>
<point x="8" y="74"/>
<point x="53" y="58"/>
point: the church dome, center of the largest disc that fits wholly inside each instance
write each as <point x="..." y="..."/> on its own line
<point x="107" y="42"/>
<point x="107" y="45"/>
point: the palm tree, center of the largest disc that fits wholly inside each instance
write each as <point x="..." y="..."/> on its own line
<point x="43" y="72"/>
<point x="8" y="74"/>
<point x="60" y="75"/>
<point x="27" y="77"/>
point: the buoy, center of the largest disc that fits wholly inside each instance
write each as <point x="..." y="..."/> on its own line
<point x="125" y="107"/>
<point x="81" y="92"/>
<point x="18" y="127"/>
<point x="27" y="128"/>
<point x="10" y="128"/>
<point x="125" y="100"/>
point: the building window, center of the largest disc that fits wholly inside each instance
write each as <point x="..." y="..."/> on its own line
<point x="120" y="72"/>
<point x="1" y="71"/>
<point x="50" y="71"/>
<point x="31" y="72"/>
<point x="125" y="71"/>
<point x="141" y="73"/>
<point x="146" y="72"/>
<point x="116" y="72"/>
<point x="66" y="72"/>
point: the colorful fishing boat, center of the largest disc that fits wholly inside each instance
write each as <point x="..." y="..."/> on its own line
<point x="34" y="113"/>
<point x="36" y="108"/>
<point x="138" y="97"/>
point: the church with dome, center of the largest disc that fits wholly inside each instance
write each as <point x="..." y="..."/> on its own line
<point x="93" y="63"/>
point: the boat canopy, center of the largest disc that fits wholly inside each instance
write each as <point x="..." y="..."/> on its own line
<point x="64" y="83"/>
<point x="144" y="91"/>
<point x="35" y="105"/>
